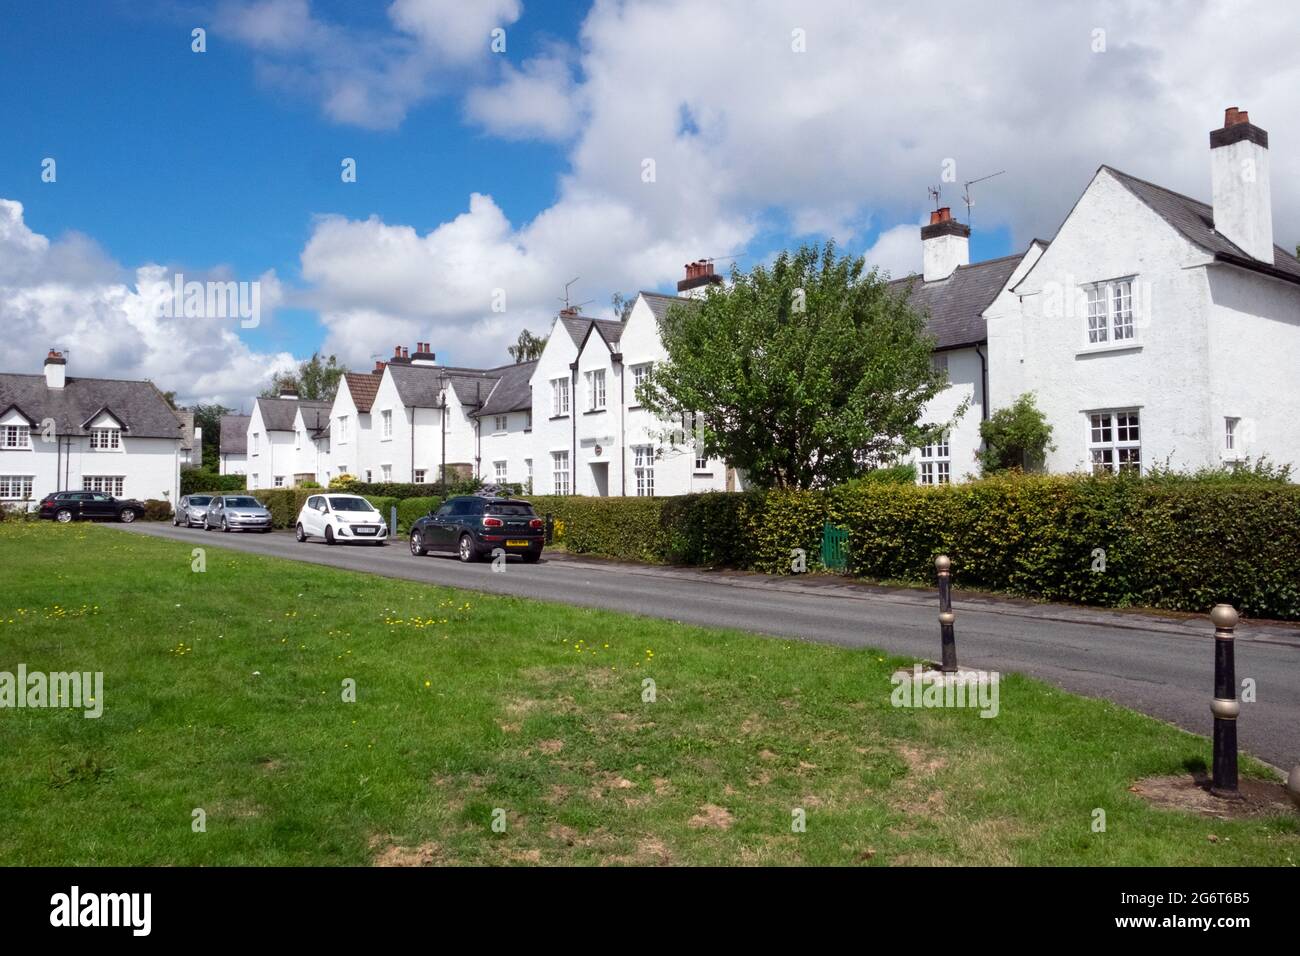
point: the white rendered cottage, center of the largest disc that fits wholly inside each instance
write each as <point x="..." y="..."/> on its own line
<point x="232" y="448"/>
<point x="65" y="433"/>
<point x="281" y="447"/>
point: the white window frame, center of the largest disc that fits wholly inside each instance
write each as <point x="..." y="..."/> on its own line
<point x="104" y="484"/>
<point x="277" y="481"/>
<point x="343" y="429"/>
<point x="560" y="473"/>
<point x="528" y="474"/>
<point x="939" y="361"/>
<point x="1231" y="434"/>
<point x="370" y="476"/>
<point x="559" y="397"/>
<point x="1109" y="320"/>
<point x="16" y="487"/>
<point x="639" y="374"/>
<point x="500" y="424"/>
<point x="499" y="471"/>
<point x="419" y="475"/>
<point x="596" y="390"/>
<point x="256" y="442"/>
<point x="1114" y="440"/>
<point x="105" y="439"/>
<point x="17" y="437"/>
<point x="935" y="466"/>
<point x="643" y="466"/>
<point x="386" y="424"/>
<point x="386" y="472"/>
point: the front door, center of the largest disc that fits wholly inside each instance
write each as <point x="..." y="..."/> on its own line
<point x="600" y="478"/>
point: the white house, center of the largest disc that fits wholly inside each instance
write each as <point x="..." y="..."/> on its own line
<point x="61" y="433"/>
<point x="281" y="450"/>
<point x="232" y="449"/>
<point x="1157" y="329"/>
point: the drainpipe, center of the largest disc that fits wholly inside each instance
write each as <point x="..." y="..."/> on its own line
<point x="573" y="427"/>
<point x="984" y="382"/>
<point x="442" y="417"/>
<point x="412" y="472"/>
<point x="622" y="428"/>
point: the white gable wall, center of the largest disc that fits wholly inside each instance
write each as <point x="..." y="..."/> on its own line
<point x="1042" y="346"/>
<point x="552" y="434"/>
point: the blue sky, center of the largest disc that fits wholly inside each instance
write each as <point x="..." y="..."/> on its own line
<point x="769" y="122"/>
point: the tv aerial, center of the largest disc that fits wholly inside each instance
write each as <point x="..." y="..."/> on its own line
<point x="966" y="196"/>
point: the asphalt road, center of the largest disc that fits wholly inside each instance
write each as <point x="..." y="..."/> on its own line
<point x="1162" y="666"/>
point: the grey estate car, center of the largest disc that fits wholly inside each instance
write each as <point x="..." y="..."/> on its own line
<point x="237" y="513"/>
<point x="191" y="510"/>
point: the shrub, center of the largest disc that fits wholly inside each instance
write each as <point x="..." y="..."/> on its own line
<point x="396" y="489"/>
<point x="343" y="482"/>
<point x="155" y="509"/>
<point x="283" y="503"/>
<point x="1112" y="541"/>
<point x="200" y="480"/>
<point x="384" y="503"/>
<point x="411" y="510"/>
<point x="1017" y="436"/>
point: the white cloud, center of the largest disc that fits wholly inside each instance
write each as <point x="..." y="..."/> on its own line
<point x="536" y="101"/>
<point x="68" y="294"/>
<point x="368" y="78"/>
<point x="897" y="251"/>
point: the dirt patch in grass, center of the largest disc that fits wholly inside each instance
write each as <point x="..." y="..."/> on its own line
<point x="1191" y="793"/>
<point x="390" y="854"/>
<point x="711" y="817"/>
<point x="550" y="746"/>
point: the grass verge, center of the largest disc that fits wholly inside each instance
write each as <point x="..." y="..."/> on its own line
<point x="223" y="692"/>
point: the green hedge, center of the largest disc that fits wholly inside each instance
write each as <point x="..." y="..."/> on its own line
<point x="156" y="509"/>
<point x="199" y="480"/>
<point x="411" y="510"/>
<point x="1181" y="546"/>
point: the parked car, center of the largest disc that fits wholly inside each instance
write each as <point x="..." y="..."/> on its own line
<point x="340" y="518"/>
<point x="237" y="513"/>
<point x="191" y="510"/>
<point x="474" y="526"/>
<point x="65" y="506"/>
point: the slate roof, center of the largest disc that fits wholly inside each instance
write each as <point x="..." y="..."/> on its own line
<point x="1195" y="221"/>
<point x="234" y="434"/>
<point x="278" y="413"/>
<point x="315" y="416"/>
<point x="577" y="327"/>
<point x="954" y="305"/>
<point x="512" y="392"/>
<point x="363" y="387"/>
<point x="139" y="406"/>
<point x="659" y="302"/>
<point x="419" y="385"/>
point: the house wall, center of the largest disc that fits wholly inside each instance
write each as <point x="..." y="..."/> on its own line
<point x="231" y="464"/>
<point x="966" y="384"/>
<point x="1254" y="352"/>
<point x="514" y="446"/>
<point x="150" y="467"/>
<point x="1042" y="347"/>
<point x="551" y="434"/>
<point x="351" y="454"/>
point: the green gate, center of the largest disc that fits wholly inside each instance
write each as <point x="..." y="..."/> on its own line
<point x="835" y="548"/>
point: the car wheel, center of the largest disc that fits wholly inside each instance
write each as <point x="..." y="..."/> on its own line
<point x="224" y="525"/>
<point x="299" y="533"/>
<point x="417" y="544"/>
<point x="63" y="516"/>
<point x="127" y="516"/>
<point x="532" y="557"/>
<point x="329" y="535"/>
<point x="176" y="521"/>
<point x="465" y="550"/>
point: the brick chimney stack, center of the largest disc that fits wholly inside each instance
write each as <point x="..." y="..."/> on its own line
<point x="56" y="370"/>
<point x="1242" y="196"/>
<point x="700" y="277"/>
<point x="945" y="245"/>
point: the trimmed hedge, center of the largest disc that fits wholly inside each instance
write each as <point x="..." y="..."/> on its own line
<point x="196" y="481"/>
<point x="156" y="509"/>
<point x="1115" y="542"/>
<point x="411" y="510"/>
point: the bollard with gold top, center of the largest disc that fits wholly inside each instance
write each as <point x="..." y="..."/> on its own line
<point x="943" y="565"/>
<point x="1225" y="705"/>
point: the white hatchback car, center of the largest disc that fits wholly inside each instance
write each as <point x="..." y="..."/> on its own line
<point x="340" y="518"/>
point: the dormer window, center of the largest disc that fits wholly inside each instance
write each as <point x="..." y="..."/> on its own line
<point x="105" y="438"/>
<point x="16" y="436"/>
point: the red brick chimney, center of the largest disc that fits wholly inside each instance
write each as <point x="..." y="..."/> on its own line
<point x="699" y="277"/>
<point x="945" y="245"/>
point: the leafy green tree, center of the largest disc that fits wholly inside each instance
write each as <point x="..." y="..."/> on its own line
<point x="527" y="347"/>
<point x="622" y="305"/>
<point x="208" y="418"/>
<point x="805" y="374"/>
<point x="316" y="379"/>
<point x="1015" y="437"/>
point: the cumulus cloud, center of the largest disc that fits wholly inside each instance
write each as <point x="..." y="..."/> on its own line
<point x="368" y="78"/>
<point x="68" y="293"/>
<point x="535" y="102"/>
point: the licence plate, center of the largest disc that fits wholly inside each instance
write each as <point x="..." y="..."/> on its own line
<point x="517" y="543"/>
<point x="365" y="530"/>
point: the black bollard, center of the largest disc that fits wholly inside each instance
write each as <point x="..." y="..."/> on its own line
<point x="550" y="528"/>
<point x="1225" y="706"/>
<point x="946" y="618"/>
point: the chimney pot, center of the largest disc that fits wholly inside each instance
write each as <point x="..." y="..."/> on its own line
<point x="1232" y="116"/>
<point x="397" y="351"/>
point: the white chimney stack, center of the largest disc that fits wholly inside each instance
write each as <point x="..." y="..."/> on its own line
<point x="945" y="245"/>
<point x="56" y="370"/>
<point x="1243" y="210"/>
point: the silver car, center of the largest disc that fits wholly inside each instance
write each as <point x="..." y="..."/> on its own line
<point x="237" y="513"/>
<point x="191" y="510"/>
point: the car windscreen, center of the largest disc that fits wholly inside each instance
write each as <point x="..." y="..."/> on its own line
<point x="351" y="504"/>
<point x="243" y="503"/>
<point x="509" y="508"/>
<point x="200" y="499"/>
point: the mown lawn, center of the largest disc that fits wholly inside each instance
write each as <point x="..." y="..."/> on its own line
<point x="223" y="692"/>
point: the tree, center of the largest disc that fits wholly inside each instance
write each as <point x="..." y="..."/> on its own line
<point x="315" y="379"/>
<point x="208" y="418"/>
<point x="527" y="347"/>
<point x="805" y="374"/>
<point x="622" y="305"/>
<point x="1015" y="437"/>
